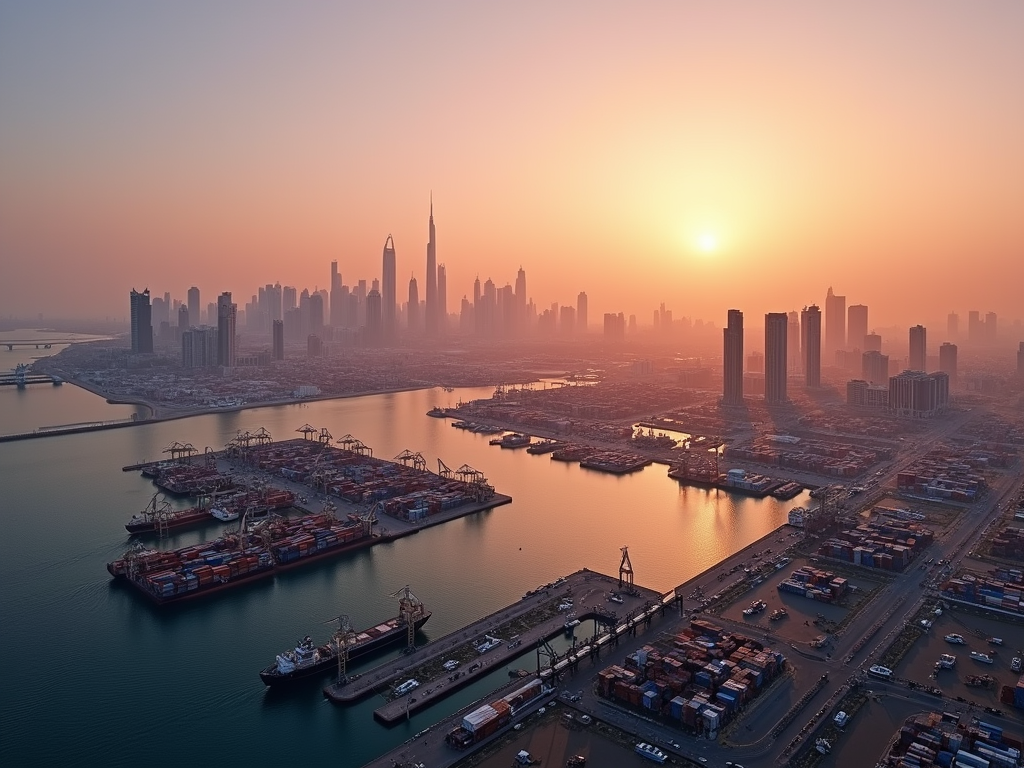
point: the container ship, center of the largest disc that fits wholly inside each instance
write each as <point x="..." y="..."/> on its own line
<point x="159" y="517"/>
<point x="276" y="545"/>
<point x="310" y="660"/>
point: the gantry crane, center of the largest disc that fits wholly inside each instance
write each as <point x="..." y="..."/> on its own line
<point x="343" y="637"/>
<point x="410" y="609"/>
<point x="625" y="571"/>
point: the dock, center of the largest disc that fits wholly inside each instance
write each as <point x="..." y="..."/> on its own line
<point x="521" y="628"/>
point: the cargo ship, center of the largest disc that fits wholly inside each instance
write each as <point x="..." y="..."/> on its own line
<point x="309" y="660"/>
<point x="545" y="446"/>
<point x="158" y="516"/>
<point x="615" y="462"/>
<point x="277" y="545"/>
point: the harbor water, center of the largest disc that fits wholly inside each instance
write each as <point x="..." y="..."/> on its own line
<point x="97" y="675"/>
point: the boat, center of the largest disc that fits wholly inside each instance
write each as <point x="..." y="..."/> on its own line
<point x="787" y="491"/>
<point x="946" y="661"/>
<point x="879" y="671"/>
<point x="308" y="659"/>
<point x="544" y="446"/>
<point x="158" y="516"/>
<point x="651" y="752"/>
<point x="984" y="658"/>
<point x="224" y="513"/>
<point x="437" y="412"/>
<point x="823" y="746"/>
<point x="515" y="440"/>
<point x="994" y="641"/>
<point x="955" y="639"/>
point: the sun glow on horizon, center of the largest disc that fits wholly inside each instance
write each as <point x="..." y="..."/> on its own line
<point x="707" y="243"/>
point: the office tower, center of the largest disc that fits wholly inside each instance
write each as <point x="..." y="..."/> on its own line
<point x="952" y="324"/>
<point x="856" y="326"/>
<point x="947" y="361"/>
<point x="442" y="299"/>
<point x="289" y="297"/>
<point x="872" y="343"/>
<point x="489" y="303"/>
<point x="194" y="313"/>
<point x="337" y="302"/>
<point x="374" y="318"/>
<point x="316" y="314"/>
<point x="157" y="314"/>
<point x="388" y="295"/>
<point x="974" y="327"/>
<point x="413" y="311"/>
<point x="614" y="326"/>
<point x="810" y="343"/>
<point x="835" y="323"/>
<point x="199" y="347"/>
<point x="226" y="312"/>
<point x="918" y="395"/>
<point x="918" y="349"/>
<point x="567" y="320"/>
<point x="581" y="312"/>
<point x="142" y="322"/>
<point x="278" y="334"/>
<point x="793" y="345"/>
<point x="776" y="332"/>
<point x="875" y="367"/>
<point x="732" y="359"/>
<point x="990" y="327"/>
<point x="521" y="300"/>
<point x="431" y="309"/>
<point x="183" y="321"/>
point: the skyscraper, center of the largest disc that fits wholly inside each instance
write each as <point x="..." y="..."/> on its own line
<point x="875" y="368"/>
<point x="947" y="362"/>
<point x="278" y="335"/>
<point x="142" y="322"/>
<point x="413" y="310"/>
<point x="183" y="320"/>
<point x="835" y="323"/>
<point x="374" y="319"/>
<point x="975" y="329"/>
<point x="431" y="308"/>
<point x="581" y="312"/>
<point x="388" y="295"/>
<point x="953" y="325"/>
<point x="226" y="311"/>
<point x="337" y="302"/>
<point x="195" y="316"/>
<point x="315" y="325"/>
<point x="810" y="343"/>
<point x="872" y="343"/>
<point x="732" y="359"/>
<point x="990" y="334"/>
<point x="918" y="349"/>
<point x="521" y="300"/>
<point x="442" y="299"/>
<point x="775" y="336"/>
<point x="793" y="344"/>
<point x="856" y="326"/>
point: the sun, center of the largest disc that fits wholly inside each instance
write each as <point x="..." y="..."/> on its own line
<point x="707" y="242"/>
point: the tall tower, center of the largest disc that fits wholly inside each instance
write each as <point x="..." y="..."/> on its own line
<point x="732" y="359"/>
<point x="142" y="322"/>
<point x="520" y="300"/>
<point x="413" y="312"/>
<point x="856" y="326"/>
<point x="775" y="335"/>
<point x="953" y="325"/>
<point x="278" y="336"/>
<point x="194" y="315"/>
<point x="388" y="288"/>
<point x="431" y="318"/>
<point x="226" y="312"/>
<point x="581" y="313"/>
<point x="835" y="322"/>
<point x="947" y="362"/>
<point x="442" y="299"/>
<point x="374" y="319"/>
<point x="793" y="345"/>
<point x="337" y="303"/>
<point x="918" y="349"/>
<point x="810" y="343"/>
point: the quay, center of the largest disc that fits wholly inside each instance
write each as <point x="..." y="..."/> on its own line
<point x="522" y="628"/>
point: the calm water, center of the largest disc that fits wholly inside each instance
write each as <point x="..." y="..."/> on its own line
<point x="94" y="674"/>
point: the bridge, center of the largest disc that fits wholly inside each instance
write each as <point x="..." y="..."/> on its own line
<point x="37" y="343"/>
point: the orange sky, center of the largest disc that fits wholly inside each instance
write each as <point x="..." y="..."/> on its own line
<point x="876" y="149"/>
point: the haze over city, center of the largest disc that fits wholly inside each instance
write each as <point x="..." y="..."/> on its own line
<point x="706" y="157"/>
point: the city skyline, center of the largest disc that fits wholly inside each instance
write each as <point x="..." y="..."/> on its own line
<point x="862" y="154"/>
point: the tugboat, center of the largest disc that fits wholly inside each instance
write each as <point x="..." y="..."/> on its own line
<point x="984" y="658"/>
<point x="955" y="639"/>
<point x="651" y="752"/>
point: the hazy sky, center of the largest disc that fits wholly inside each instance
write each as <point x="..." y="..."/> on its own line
<point x="877" y="147"/>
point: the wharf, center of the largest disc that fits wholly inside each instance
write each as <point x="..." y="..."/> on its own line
<point x="535" y="618"/>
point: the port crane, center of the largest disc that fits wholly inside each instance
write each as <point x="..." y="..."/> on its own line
<point x="355" y="445"/>
<point x="343" y="637"/>
<point x="407" y="457"/>
<point x="625" y="571"/>
<point x="307" y="431"/>
<point x="181" y="451"/>
<point x="410" y="608"/>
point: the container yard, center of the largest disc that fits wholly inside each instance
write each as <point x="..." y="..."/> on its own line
<point x="1008" y="543"/>
<point x="945" y="473"/>
<point x="946" y="739"/>
<point x="696" y="680"/>
<point x="1000" y="589"/>
<point x="886" y="544"/>
<point x="814" y="584"/>
<point x="820" y="457"/>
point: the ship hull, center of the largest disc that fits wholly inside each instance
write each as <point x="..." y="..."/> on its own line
<point x="274" y="679"/>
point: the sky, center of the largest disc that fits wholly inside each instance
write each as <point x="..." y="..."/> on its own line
<point x="705" y="155"/>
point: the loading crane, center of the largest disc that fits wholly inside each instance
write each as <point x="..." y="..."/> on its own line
<point x="411" y="609"/>
<point x="407" y="457"/>
<point x="342" y="638"/>
<point x="307" y="431"/>
<point x="625" y="571"/>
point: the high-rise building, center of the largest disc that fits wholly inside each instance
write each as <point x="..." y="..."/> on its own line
<point x="975" y="328"/>
<point x="521" y="300"/>
<point x="918" y="349"/>
<point x="226" y="312"/>
<point x="431" y="309"/>
<point x="856" y="326"/>
<point x="990" y="334"/>
<point x="413" y="309"/>
<point x="374" y="318"/>
<point x="278" y="334"/>
<point x="337" y="301"/>
<point x="142" y="322"/>
<point x="732" y="359"/>
<point x="793" y="343"/>
<point x="289" y="298"/>
<point x="810" y="343"/>
<point x="952" y="324"/>
<point x="615" y="326"/>
<point x="567" y="320"/>
<point x="581" y="313"/>
<point x="872" y="343"/>
<point x="918" y="395"/>
<point x="315" y="326"/>
<point x="388" y="295"/>
<point x="199" y="347"/>
<point x="194" y="313"/>
<point x="947" y="361"/>
<point x="835" y="323"/>
<point x="875" y="367"/>
<point x="776" y="332"/>
<point x="183" y="320"/>
<point x="442" y="299"/>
